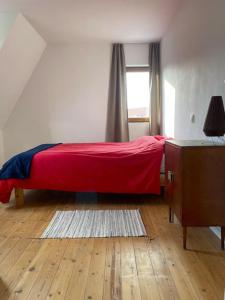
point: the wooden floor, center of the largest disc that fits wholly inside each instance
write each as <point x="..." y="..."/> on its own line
<point x="154" y="268"/>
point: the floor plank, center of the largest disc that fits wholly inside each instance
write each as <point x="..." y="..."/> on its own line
<point x="95" y="279"/>
<point x="112" y="285"/>
<point x="145" y="271"/>
<point x="78" y="282"/>
<point x="147" y="268"/>
<point x="129" y="278"/>
<point x="18" y="270"/>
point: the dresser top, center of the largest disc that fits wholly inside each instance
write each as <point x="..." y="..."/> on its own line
<point x="194" y="143"/>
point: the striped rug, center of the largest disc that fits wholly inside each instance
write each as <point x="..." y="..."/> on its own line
<point x="95" y="223"/>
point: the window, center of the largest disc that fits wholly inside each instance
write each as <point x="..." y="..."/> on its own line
<point x="138" y="94"/>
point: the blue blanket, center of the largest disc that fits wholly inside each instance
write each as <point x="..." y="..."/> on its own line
<point x="18" y="167"/>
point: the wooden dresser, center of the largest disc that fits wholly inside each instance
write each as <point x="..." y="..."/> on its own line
<point x="195" y="175"/>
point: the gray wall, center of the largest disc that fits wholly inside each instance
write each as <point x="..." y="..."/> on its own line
<point x="193" y="65"/>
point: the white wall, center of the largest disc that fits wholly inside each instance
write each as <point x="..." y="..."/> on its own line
<point x="19" y="56"/>
<point x="66" y="97"/>
<point x="136" y="54"/>
<point x="193" y="65"/>
<point x="65" y="100"/>
<point x="1" y="149"/>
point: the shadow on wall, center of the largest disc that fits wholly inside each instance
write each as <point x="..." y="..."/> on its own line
<point x="169" y="109"/>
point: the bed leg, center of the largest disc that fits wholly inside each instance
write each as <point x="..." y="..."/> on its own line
<point x="19" y="196"/>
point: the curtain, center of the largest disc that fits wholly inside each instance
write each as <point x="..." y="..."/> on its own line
<point x="155" y="88"/>
<point x="117" y="115"/>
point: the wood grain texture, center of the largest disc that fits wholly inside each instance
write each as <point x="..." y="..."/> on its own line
<point x="19" y="197"/>
<point x="150" y="268"/>
<point x="196" y="192"/>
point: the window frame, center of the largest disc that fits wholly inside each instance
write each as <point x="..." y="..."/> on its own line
<point x="138" y="69"/>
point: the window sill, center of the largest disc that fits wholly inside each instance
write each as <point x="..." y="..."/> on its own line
<point x="138" y="120"/>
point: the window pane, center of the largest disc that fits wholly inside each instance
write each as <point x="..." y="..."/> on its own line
<point x="138" y="94"/>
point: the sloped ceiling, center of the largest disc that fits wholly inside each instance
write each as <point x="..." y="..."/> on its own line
<point x="19" y="56"/>
<point x="60" y="21"/>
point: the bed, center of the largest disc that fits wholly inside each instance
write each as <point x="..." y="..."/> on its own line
<point x="132" y="167"/>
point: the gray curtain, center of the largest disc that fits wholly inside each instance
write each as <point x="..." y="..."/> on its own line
<point x="155" y="88"/>
<point x="117" y="116"/>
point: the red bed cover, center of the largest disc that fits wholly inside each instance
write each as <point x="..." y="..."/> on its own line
<point x="132" y="167"/>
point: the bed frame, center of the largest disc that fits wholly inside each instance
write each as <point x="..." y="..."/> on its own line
<point x="19" y="193"/>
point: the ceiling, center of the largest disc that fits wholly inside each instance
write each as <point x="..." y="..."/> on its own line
<point x="65" y="21"/>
